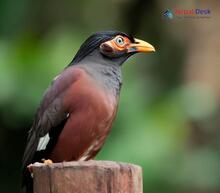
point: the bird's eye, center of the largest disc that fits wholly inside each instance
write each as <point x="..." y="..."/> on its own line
<point x="120" y="41"/>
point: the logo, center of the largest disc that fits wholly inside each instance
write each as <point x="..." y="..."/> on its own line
<point x="168" y="14"/>
<point x="187" y="13"/>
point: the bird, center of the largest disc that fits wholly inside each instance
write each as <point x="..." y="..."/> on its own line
<point x="77" y="110"/>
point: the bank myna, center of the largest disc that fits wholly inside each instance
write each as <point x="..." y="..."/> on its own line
<point x="76" y="113"/>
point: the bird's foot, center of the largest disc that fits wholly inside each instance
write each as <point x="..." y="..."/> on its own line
<point x="30" y="168"/>
<point x="47" y="161"/>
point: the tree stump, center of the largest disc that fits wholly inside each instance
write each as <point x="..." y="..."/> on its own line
<point x="87" y="177"/>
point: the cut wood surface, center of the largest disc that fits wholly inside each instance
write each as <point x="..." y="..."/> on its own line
<point x="87" y="177"/>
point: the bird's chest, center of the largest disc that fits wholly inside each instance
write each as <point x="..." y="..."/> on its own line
<point x="89" y="97"/>
<point x="91" y="113"/>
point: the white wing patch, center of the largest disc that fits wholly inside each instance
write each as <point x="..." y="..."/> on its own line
<point x="42" y="144"/>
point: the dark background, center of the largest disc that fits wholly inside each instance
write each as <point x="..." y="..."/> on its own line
<point x="168" y="119"/>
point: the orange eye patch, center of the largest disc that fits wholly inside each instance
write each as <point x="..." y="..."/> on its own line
<point x="120" y="42"/>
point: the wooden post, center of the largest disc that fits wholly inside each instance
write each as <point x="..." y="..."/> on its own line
<point x="87" y="177"/>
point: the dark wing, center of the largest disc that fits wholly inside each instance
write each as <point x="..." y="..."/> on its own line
<point x="50" y="114"/>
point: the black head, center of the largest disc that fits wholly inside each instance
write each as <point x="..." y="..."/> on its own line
<point x="111" y="45"/>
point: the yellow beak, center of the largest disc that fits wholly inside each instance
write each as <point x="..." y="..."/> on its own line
<point x="140" y="46"/>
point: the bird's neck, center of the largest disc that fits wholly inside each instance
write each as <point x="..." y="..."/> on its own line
<point x="106" y="72"/>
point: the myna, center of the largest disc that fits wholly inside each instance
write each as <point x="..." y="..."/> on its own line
<point x="77" y="110"/>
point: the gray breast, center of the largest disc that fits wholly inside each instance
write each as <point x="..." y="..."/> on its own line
<point x="106" y="75"/>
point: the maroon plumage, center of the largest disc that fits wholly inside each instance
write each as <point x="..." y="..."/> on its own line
<point x="91" y="115"/>
<point x="77" y="110"/>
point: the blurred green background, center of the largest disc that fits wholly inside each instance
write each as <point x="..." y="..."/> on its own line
<point x="169" y="114"/>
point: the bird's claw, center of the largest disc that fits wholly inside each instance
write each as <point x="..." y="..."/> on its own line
<point x="47" y="161"/>
<point x="30" y="168"/>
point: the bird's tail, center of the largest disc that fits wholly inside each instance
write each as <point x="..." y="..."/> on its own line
<point x="27" y="182"/>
